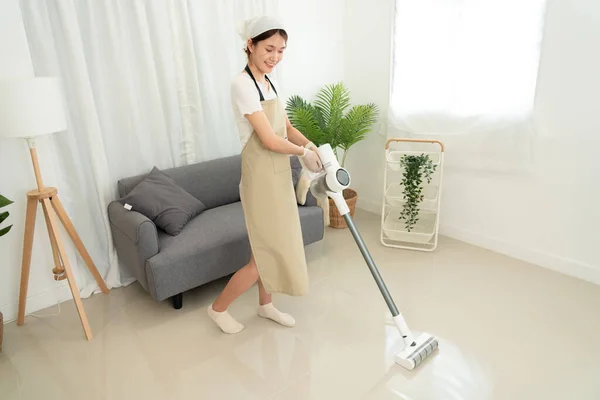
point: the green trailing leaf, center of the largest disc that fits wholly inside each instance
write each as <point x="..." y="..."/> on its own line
<point x="3" y="216"/>
<point x="415" y="168"/>
<point x="331" y="119"/>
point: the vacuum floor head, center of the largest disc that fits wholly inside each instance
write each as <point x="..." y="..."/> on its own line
<point x="415" y="353"/>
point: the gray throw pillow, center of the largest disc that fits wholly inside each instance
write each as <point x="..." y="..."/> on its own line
<point x="164" y="202"/>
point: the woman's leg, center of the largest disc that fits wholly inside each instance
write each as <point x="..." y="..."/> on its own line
<point x="267" y="310"/>
<point x="263" y="296"/>
<point x="241" y="281"/>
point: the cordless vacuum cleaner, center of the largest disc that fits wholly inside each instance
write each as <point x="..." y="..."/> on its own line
<point x="332" y="183"/>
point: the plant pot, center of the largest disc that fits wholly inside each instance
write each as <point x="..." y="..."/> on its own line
<point x="335" y="218"/>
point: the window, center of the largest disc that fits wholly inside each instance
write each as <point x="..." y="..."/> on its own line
<point x="464" y="65"/>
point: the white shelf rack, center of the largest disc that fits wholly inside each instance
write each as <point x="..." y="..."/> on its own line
<point x="423" y="236"/>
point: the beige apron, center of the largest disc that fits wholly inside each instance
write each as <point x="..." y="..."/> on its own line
<point x="271" y="211"/>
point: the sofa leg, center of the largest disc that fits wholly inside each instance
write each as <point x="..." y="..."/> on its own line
<point x="177" y="301"/>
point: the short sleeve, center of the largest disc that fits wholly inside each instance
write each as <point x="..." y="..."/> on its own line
<point x="244" y="96"/>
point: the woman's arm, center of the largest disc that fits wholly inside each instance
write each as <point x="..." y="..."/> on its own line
<point x="267" y="136"/>
<point x="294" y="135"/>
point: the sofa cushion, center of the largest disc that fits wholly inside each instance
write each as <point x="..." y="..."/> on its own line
<point x="221" y="225"/>
<point x="212" y="245"/>
<point x="164" y="202"/>
<point x="214" y="227"/>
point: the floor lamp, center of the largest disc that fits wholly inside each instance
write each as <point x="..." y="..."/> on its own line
<point x="32" y="107"/>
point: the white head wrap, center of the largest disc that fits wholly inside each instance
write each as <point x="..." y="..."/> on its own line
<point x="253" y="27"/>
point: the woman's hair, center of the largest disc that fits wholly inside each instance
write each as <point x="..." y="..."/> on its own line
<point x="266" y="35"/>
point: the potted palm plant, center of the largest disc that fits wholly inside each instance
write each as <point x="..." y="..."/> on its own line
<point x="3" y="231"/>
<point x="3" y="203"/>
<point x="331" y="119"/>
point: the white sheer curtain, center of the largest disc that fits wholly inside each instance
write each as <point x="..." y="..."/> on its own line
<point x="465" y="71"/>
<point x="147" y="83"/>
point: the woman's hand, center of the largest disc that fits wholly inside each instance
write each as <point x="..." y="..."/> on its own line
<point x="311" y="146"/>
<point x="311" y="160"/>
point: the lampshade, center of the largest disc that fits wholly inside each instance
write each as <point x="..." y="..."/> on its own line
<point x="31" y="107"/>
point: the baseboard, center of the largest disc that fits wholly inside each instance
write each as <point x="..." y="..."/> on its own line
<point x="37" y="302"/>
<point x="553" y="262"/>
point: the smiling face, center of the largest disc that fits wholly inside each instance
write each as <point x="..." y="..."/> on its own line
<point x="266" y="50"/>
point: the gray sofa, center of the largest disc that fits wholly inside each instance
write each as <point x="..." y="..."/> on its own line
<point x="212" y="245"/>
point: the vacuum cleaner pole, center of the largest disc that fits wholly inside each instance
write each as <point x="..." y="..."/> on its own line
<point x="398" y="318"/>
<point x="365" y="252"/>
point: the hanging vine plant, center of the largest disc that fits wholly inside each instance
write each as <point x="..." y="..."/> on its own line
<point x="416" y="168"/>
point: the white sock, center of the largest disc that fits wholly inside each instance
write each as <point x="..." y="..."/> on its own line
<point x="225" y="321"/>
<point x="269" y="311"/>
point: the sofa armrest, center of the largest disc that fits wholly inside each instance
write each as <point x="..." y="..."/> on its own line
<point x="135" y="238"/>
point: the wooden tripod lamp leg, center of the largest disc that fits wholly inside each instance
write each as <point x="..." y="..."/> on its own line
<point x="58" y="270"/>
<point x="26" y="264"/>
<point x="66" y="221"/>
<point x="68" y="271"/>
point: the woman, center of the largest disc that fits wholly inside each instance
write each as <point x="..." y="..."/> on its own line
<point x="277" y="258"/>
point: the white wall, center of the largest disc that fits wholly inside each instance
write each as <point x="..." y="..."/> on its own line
<point x="315" y="53"/>
<point x="523" y="215"/>
<point x="16" y="178"/>
<point x="368" y="61"/>
<point x="13" y="43"/>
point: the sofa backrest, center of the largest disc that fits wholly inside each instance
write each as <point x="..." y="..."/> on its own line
<point x="214" y="182"/>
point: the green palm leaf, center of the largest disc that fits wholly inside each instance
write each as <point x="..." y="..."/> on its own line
<point x="356" y="124"/>
<point x="305" y="120"/>
<point x="333" y="100"/>
<point x="3" y="203"/>
<point x="3" y="216"/>
<point x="319" y="117"/>
<point x="295" y="102"/>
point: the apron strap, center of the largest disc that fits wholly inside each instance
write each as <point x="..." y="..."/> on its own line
<point x="262" y="98"/>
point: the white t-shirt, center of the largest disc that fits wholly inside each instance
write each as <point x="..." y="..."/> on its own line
<point x="245" y="100"/>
